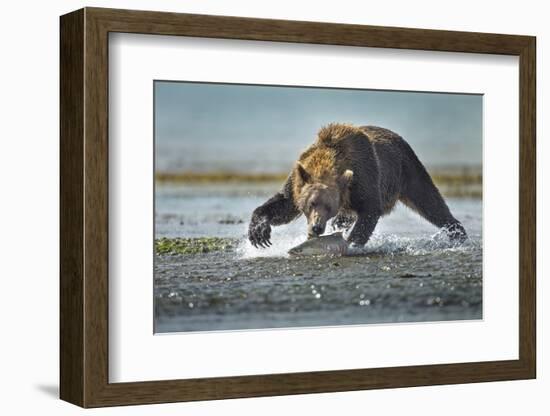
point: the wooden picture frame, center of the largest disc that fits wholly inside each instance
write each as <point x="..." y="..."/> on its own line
<point x="84" y="207"/>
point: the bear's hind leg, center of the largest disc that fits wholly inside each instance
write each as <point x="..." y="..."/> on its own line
<point x="421" y="195"/>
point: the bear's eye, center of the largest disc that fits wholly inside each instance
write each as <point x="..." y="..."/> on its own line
<point x="313" y="204"/>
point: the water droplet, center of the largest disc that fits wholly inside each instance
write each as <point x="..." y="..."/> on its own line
<point x="318" y="296"/>
<point x="191" y="305"/>
<point x="434" y="301"/>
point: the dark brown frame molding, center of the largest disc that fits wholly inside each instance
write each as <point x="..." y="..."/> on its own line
<point x="84" y="209"/>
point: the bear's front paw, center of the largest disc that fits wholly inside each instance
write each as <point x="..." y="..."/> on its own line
<point x="259" y="233"/>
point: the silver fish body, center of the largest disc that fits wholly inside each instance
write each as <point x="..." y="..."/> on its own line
<point x="333" y="244"/>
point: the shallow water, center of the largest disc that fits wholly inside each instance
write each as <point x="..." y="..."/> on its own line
<point x="408" y="273"/>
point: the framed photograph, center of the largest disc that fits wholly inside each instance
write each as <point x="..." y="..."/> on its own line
<point x="254" y="207"/>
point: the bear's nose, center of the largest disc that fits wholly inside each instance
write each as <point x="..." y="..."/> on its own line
<point x="317" y="229"/>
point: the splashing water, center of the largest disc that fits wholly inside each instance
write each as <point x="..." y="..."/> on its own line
<point x="417" y="240"/>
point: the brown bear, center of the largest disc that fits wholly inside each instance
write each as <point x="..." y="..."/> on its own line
<point x="354" y="175"/>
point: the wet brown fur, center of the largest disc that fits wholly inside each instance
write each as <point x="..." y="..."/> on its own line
<point x="367" y="169"/>
<point x="321" y="161"/>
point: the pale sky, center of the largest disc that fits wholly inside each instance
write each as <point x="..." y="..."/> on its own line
<point x="201" y="126"/>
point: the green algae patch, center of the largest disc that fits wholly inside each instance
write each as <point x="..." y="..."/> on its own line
<point x="193" y="245"/>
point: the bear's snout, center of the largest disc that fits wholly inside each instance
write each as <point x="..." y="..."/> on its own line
<point x="315" y="230"/>
<point x="318" y="229"/>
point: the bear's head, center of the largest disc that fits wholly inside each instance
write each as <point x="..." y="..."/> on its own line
<point x="320" y="199"/>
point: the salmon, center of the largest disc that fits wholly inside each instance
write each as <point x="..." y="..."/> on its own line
<point x="333" y="244"/>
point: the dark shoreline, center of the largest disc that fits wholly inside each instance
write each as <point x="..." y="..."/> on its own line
<point x="465" y="183"/>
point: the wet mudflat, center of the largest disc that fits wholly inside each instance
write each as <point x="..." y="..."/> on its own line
<point x="220" y="291"/>
<point x="408" y="272"/>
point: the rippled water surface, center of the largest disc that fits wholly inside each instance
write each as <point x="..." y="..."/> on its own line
<point x="408" y="273"/>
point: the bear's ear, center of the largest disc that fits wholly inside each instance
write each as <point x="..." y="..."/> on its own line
<point x="345" y="179"/>
<point x="303" y="173"/>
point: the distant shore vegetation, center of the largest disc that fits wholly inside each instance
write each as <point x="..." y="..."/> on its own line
<point x="457" y="182"/>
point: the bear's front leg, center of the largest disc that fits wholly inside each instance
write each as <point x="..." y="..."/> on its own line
<point x="362" y="230"/>
<point x="277" y="210"/>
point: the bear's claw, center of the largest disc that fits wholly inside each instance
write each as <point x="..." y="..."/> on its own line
<point x="259" y="233"/>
